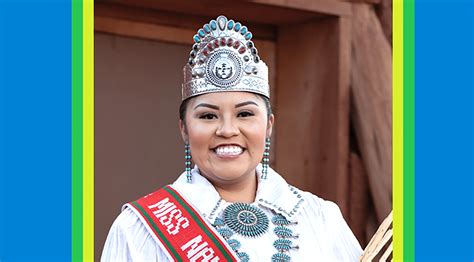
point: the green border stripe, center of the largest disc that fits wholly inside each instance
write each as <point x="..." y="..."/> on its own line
<point x="77" y="140"/>
<point x="160" y="235"/>
<point x="197" y="218"/>
<point x="409" y="130"/>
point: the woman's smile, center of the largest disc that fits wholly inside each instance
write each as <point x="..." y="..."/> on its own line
<point x="228" y="151"/>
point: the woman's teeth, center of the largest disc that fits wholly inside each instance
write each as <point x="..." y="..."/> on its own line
<point x="229" y="150"/>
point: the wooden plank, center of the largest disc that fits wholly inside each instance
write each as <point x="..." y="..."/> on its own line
<point x="143" y="30"/>
<point x="273" y="13"/>
<point x="328" y="7"/>
<point x="168" y="34"/>
<point x="371" y="89"/>
<point x="343" y="105"/>
<point x="165" y="18"/>
<point x="312" y="98"/>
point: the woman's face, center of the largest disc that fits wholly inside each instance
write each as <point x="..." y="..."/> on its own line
<point x="226" y="132"/>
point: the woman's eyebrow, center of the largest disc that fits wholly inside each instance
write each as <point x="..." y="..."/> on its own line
<point x="207" y="105"/>
<point x="246" y="103"/>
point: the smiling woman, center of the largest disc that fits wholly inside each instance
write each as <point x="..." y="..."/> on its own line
<point x="231" y="206"/>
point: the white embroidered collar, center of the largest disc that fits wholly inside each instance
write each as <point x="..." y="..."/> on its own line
<point x="273" y="193"/>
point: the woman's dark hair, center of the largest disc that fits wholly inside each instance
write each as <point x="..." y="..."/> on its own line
<point x="184" y="106"/>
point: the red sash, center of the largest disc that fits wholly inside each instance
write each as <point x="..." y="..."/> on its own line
<point x="179" y="229"/>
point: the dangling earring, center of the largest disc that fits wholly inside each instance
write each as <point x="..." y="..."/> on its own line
<point x="266" y="160"/>
<point x="187" y="162"/>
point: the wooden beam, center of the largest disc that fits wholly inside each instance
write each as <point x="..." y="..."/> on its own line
<point x="265" y="12"/>
<point x="327" y="7"/>
<point x="169" y="34"/>
<point x="372" y="89"/>
<point x="166" y="18"/>
<point x="143" y="30"/>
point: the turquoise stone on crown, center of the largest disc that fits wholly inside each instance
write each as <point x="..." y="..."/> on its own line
<point x="248" y="36"/>
<point x="213" y="25"/>
<point x="207" y="29"/>
<point x="201" y="33"/>
<point x="243" y="30"/>
<point x="230" y="24"/>
<point x="237" y="26"/>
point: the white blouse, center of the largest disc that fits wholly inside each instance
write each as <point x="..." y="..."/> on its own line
<point x="323" y="233"/>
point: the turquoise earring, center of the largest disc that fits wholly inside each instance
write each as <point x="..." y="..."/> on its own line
<point x="266" y="158"/>
<point x="187" y="162"/>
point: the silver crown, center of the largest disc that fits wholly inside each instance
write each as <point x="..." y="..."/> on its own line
<point x="223" y="59"/>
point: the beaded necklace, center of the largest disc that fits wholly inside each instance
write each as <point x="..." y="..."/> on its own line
<point x="250" y="221"/>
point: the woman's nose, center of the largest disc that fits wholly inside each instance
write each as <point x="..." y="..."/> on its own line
<point x="227" y="128"/>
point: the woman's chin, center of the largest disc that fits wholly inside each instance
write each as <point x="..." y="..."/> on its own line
<point x="229" y="173"/>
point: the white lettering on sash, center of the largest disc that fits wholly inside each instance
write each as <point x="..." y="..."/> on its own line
<point x="199" y="250"/>
<point x="169" y="216"/>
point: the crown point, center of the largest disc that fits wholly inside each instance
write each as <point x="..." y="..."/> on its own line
<point x="230" y="24"/>
<point x="253" y="50"/>
<point x="243" y="30"/>
<point x="207" y="28"/>
<point x="237" y="26"/>
<point x="201" y="33"/>
<point x="248" y="36"/>
<point x="221" y="21"/>
<point x="213" y="24"/>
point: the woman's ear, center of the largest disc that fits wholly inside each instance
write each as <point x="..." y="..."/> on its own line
<point x="271" y="120"/>
<point x="183" y="130"/>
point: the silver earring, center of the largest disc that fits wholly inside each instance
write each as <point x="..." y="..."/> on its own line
<point x="187" y="162"/>
<point x="266" y="158"/>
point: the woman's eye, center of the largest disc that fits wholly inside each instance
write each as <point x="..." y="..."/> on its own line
<point x="245" y="114"/>
<point x="207" y="116"/>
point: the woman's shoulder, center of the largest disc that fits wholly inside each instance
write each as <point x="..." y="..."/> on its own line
<point x="129" y="240"/>
<point x="319" y="206"/>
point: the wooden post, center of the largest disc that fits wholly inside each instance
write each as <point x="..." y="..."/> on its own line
<point x="371" y="89"/>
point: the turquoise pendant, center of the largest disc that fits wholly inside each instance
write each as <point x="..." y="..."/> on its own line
<point x="246" y="220"/>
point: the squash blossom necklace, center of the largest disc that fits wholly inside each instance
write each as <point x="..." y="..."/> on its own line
<point x="251" y="222"/>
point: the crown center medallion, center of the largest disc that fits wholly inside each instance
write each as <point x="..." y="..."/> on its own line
<point x="224" y="68"/>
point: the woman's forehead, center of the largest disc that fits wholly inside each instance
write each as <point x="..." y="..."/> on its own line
<point x="223" y="98"/>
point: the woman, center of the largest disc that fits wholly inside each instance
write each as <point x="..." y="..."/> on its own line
<point x="229" y="206"/>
